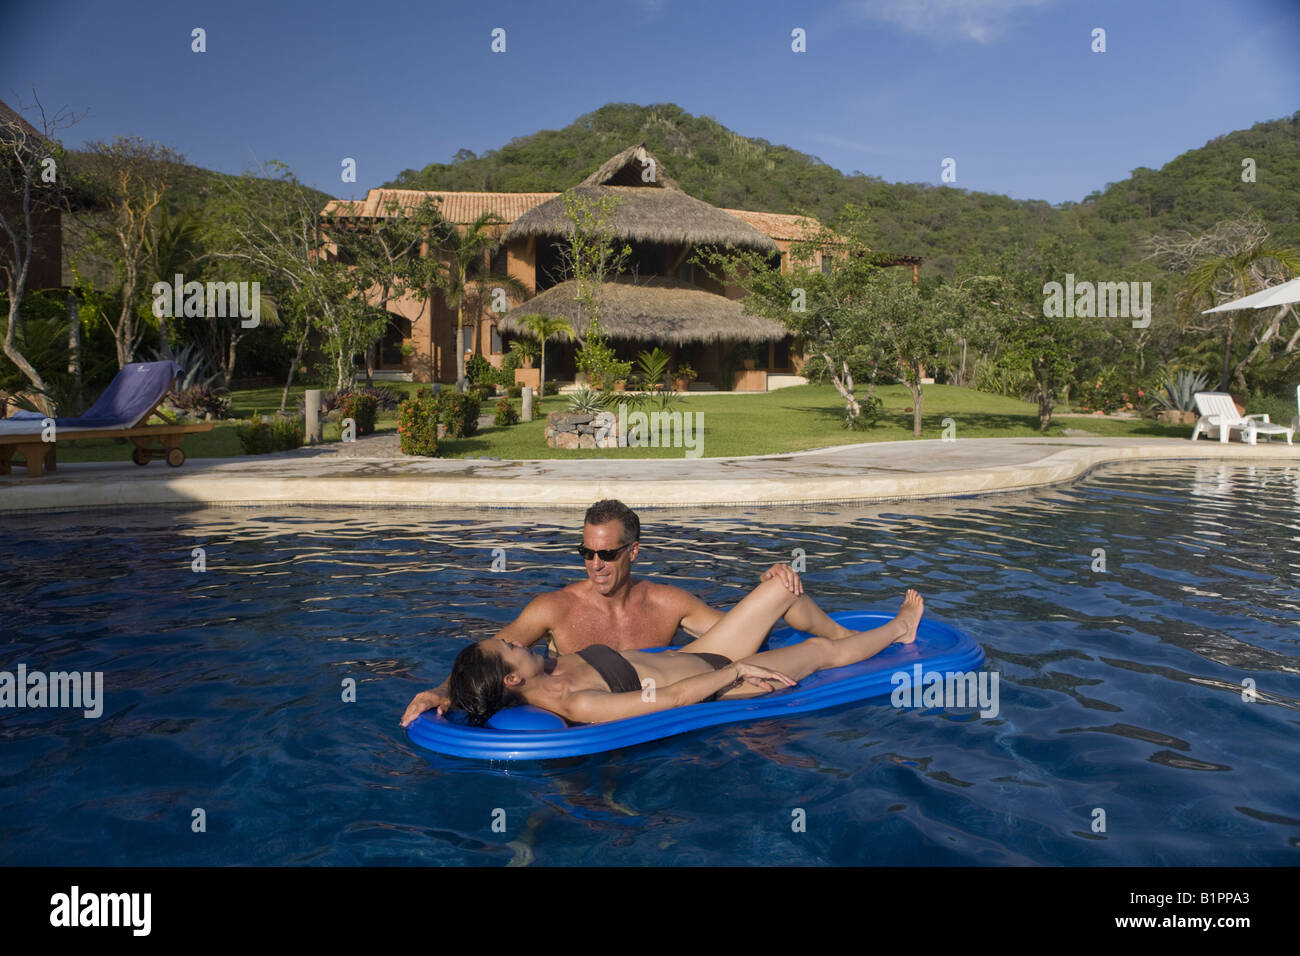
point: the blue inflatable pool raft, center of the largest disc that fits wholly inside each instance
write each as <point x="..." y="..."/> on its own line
<point x="527" y="733"/>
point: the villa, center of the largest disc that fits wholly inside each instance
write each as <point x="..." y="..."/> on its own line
<point x="660" y="299"/>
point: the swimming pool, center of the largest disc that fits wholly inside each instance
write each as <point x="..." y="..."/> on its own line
<point x="1120" y="691"/>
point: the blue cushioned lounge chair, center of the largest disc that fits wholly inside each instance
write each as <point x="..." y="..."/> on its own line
<point x="121" y="412"/>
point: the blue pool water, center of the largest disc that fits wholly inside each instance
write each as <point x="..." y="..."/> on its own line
<point x="1119" y="691"/>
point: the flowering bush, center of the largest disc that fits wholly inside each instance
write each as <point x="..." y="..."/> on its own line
<point x="1107" y="394"/>
<point x="359" y="407"/>
<point x="458" y="411"/>
<point x="505" y="414"/>
<point x="417" y="426"/>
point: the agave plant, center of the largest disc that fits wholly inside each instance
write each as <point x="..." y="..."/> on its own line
<point x="194" y="364"/>
<point x="1179" y="393"/>
<point x="588" y="401"/>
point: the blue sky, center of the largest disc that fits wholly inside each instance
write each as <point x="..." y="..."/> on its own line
<point x="1008" y="88"/>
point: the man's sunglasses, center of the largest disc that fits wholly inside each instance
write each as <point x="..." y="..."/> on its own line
<point x="607" y="554"/>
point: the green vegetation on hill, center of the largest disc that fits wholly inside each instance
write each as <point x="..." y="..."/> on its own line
<point x="721" y="167"/>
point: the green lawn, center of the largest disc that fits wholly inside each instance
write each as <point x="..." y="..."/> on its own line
<point x="809" y="416"/>
<point x="791" y="419"/>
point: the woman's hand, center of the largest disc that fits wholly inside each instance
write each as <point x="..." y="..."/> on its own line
<point x="787" y="575"/>
<point x="761" y="676"/>
<point x="425" y="700"/>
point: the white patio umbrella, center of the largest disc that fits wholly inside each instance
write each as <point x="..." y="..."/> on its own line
<point x="1282" y="294"/>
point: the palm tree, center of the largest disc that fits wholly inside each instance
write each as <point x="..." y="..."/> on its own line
<point x="460" y="252"/>
<point x="173" y="245"/>
<point x="1243" y="272"/>
<point x="543" y="328"/>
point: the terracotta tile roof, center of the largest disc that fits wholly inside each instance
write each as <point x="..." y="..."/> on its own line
<point x="461" y="208"/>
<point x="778" y="225"/>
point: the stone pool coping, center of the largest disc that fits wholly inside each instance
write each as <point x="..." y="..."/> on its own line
<point x="872" y="472"/>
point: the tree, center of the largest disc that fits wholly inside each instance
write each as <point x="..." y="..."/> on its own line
<point x="829" y="309"/>
<point x="173" y="246"/>
<point x="272" y="226"/>
<point x="30" y="189"/>
<point x="591" y="254"/>
<point x="1048" y="347"/>
<point x="138" y="175"/>
<point x="461" y="257"/>
<point x="912" y="329"/>
<point x="1232" y="260"/>
<point x="386" y="255"/>
<point x="543" y="328"/>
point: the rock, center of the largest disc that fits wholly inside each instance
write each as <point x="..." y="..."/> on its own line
<point x="566" y="440"/>
<point x="586" y="441"/>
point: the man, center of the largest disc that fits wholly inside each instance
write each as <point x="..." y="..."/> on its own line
<point x="612" y="607"/>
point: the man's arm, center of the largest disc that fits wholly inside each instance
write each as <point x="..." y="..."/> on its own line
<point x="696" y="616"/>
<point x="532" y="624"/>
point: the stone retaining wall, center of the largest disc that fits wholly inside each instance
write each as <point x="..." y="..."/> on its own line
<point x="583" y="430"/>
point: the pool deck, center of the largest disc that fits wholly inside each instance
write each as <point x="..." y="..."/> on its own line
<point x="371" y="472"/>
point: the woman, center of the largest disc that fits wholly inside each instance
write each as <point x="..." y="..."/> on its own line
<point x="599" y="684"/>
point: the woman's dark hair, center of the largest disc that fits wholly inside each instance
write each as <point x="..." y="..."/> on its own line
<point x="613" y="510"/>
<point x="478" y="685"/>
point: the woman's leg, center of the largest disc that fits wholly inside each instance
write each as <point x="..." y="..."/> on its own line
<point x="804" y="615"/>
<point x="743" y="629"/>
<point x="818" y="653"/>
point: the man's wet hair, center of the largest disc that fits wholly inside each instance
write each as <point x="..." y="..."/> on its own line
<point x="613" y="510"/>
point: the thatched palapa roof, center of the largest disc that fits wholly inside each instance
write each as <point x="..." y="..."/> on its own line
<point x="654" y="211"/>
<point x="657" y="309"/>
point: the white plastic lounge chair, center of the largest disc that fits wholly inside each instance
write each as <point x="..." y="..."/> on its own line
<point x="1219" y="415"/>
<point x="121" y="412"/>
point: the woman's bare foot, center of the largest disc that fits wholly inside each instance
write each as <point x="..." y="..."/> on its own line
<point x="909" y="615"/>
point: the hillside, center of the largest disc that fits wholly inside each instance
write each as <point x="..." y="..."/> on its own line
<point x="722" y="167"/>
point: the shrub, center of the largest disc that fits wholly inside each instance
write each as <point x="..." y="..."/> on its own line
<point x="361" y="408"/>
<point x="458" y="412"/>
<point x="1279" y="409"/>
<point x="550" y="388"/>
<point x="597" y="359"/>
<point x="480" y="371"/>
<point x="260" y="438"/>
<point x="996" y="379"/>
<point x="1107" y="393"/>
<point x="201" y="400"/>
<point x="482" y="392"/>
<point x="871" y="409"/>
<point x="417" y="425"/>
<point x="506" y="414"/>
